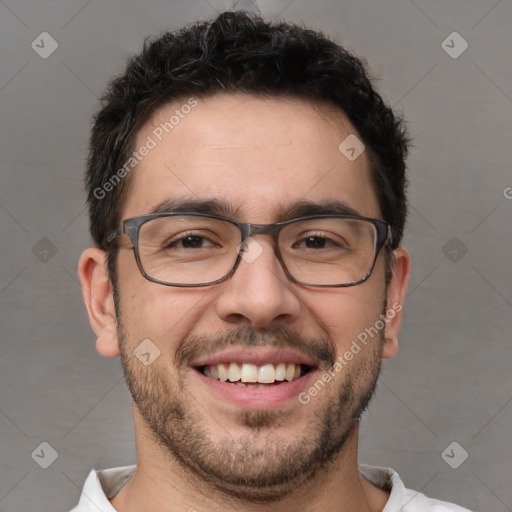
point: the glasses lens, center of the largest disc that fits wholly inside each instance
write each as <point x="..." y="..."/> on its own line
<point x="188" y="249"/>
<point x="328" y="251"/>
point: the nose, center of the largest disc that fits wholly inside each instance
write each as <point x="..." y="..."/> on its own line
<point x="259" y="293"/>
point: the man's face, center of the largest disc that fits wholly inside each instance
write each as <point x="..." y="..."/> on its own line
<point x="259" y="156"/>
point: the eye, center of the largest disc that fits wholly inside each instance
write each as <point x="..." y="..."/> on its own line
<point x="189" y="241"/>
<point x="315" y="242"/>
<point x="320" y="241"/>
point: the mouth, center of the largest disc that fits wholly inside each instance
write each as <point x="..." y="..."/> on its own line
<point x="251" y="376"/>
<point x="254" y="378"/>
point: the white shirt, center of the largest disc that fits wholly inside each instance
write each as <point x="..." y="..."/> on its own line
<point x="100" y="486"/>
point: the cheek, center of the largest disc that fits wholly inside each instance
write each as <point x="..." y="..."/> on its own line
<point x="345" y="313"/>
<point x="163" y="314"/>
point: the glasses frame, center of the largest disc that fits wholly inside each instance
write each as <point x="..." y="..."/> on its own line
<point x="131" y="227"/>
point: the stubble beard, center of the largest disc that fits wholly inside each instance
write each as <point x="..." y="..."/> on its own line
<point x="261" y="466"/>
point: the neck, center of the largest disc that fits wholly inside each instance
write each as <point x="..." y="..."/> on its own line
<point x="162" y="484"/>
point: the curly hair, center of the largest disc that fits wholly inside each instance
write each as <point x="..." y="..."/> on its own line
<point x="241" y="52"/>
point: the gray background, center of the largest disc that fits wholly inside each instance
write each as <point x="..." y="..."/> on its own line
<point x="451" y="381"/>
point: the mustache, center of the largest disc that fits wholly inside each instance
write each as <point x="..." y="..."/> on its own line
<point x="319" y="349"/>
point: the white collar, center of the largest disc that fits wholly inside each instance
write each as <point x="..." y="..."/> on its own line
<point x="103" y="485"/>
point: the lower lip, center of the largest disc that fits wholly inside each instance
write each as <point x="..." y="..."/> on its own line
<point x="256" y="398"/>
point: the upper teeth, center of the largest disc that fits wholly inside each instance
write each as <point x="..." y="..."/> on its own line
<point x="266" y="374"/>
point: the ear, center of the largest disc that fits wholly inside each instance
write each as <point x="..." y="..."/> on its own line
<point x="401" y="270"/>
<point x="99" y="300"/>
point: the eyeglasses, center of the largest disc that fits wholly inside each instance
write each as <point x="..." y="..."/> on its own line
<point x="193" y="249"/>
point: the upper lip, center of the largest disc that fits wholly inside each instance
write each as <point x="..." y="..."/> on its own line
<point x="256" y="356"/>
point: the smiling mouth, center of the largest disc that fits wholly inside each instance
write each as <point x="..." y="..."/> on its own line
<point x="248" y="375"/>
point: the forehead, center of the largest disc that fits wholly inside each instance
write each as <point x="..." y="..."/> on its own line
<point x="258" y="155"/>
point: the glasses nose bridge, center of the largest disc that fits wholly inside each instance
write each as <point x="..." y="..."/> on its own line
<point x="248" y="230"/>
<point x="260" y="229"/>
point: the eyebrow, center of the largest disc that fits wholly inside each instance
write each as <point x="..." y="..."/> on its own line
<point x="218" y="207"/>
<point x="223" y="208"/>
<point x="305" y="208"/>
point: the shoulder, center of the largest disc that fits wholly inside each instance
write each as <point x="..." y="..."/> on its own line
<point x="100" y="486"/>
<point x="402" y="499"/>
<point x="418" y="502"/>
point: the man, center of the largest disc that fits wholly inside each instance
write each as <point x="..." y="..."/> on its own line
<point x="246" y="192"/>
